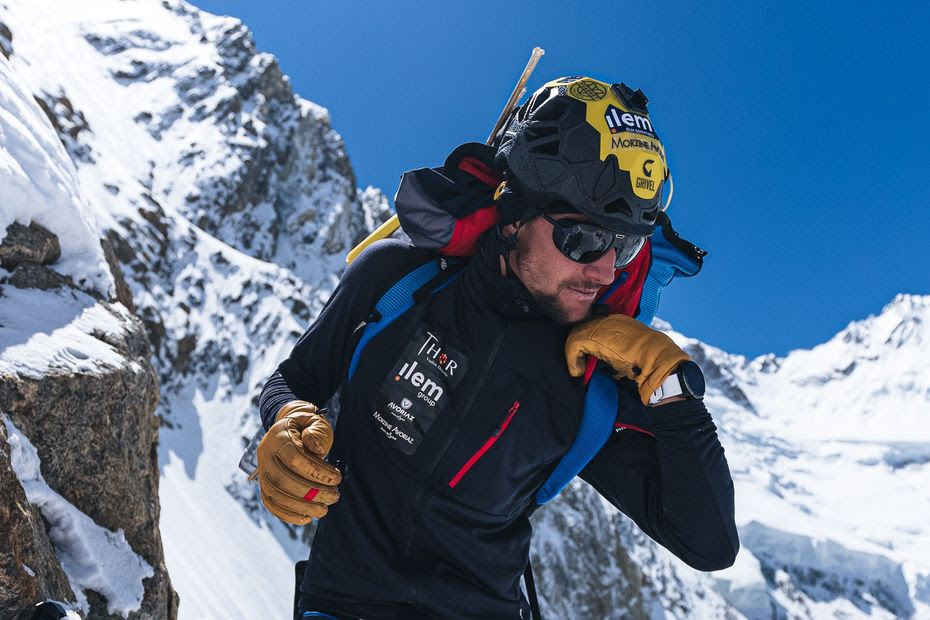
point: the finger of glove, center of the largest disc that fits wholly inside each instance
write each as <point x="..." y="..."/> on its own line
<point x="293" y="406"/>
<point x="289" y="516"/>
<point x="575" y="347"/>
<point x="605" y="350"/>
<point x="317" y="438"/>
<point x="297" y="486"/>
<point x="653" y="352"/>
<point x="294" y="504"/>
<point x="308" y="466"/>
<point x="298" y="420"/>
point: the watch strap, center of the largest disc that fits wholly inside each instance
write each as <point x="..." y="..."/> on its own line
<point x="670" y="387"/>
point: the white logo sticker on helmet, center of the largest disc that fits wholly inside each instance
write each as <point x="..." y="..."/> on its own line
<point x="619" y="121"/>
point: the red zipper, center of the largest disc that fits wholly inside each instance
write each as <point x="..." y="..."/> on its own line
<point x="487" y="446"/>
<point x="621" y="426"/>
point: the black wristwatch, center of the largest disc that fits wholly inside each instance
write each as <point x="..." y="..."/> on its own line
<point x="687" y="381"/>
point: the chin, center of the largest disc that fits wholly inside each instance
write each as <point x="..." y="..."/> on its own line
<point x="561" y="310"/>
<point x="570" y="314"/>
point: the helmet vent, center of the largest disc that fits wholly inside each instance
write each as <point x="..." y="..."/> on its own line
<point x="619" y="205"/>
<point x="543" y="140"/>
<point x="650" y="216"/>
<point x="546" y="148"/>
<point x="536" y="132"/>
<point x="552" y="109"/>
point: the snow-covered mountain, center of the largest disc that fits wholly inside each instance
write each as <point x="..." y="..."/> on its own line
<point x="229" y="203"/>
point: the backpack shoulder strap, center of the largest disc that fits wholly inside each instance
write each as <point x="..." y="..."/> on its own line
<point x="672" y="257"/>
<point x="424" y="280"/>
<point x="597" y="422"/>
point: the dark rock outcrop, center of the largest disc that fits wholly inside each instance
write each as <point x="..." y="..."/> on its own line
<point x="6" y="40"/>
<point x="31" y="275"/>
<point x="96" y="435"/>
<point x="28" y="244"/>
<point x="29" y="570"/>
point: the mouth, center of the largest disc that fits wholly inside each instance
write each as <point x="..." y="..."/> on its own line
<point x="583" y="294"/>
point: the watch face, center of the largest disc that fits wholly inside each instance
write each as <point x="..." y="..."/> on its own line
<point x="693" y="379"/>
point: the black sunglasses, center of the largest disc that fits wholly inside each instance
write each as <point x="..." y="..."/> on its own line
<point x="584" y="242"/>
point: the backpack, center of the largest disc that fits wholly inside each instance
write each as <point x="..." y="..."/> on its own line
<point x="447" y="210"/>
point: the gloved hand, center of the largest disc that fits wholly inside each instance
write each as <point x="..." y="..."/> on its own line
<point x="296" y="483"/>
<point x="634" y="350"/>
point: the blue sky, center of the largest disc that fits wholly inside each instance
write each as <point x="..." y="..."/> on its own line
<point x="798" y="134"/>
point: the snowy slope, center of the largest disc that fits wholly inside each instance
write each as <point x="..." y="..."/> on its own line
<point x="830" y="461"/>
<point x="194" y="153"/>
<point x="38" y="182"/>
<point x="231" y="203"/>
<point x="60" y="331"/>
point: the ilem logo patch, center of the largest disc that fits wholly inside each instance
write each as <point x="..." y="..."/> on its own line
<point x="619" y="121"/>
<point x="417" y="390"/>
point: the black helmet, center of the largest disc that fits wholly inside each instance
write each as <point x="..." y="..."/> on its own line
<point x="591" y="145"/>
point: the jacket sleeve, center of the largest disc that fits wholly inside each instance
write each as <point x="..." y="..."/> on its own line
<point x="676" y="486"/>
<point x="314" y="369"/>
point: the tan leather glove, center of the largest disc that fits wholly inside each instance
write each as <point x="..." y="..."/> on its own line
<point x="625" y="344"/>
<point x="296" y="483"/>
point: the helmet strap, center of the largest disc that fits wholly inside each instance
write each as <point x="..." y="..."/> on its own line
<point x="505" y="245"/>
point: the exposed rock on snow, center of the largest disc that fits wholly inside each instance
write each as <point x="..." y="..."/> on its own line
<point x="29" y="569"/>
<point x="33" y="244"/>
<point x="97" y="561"/>
<point x="75" y="375"/>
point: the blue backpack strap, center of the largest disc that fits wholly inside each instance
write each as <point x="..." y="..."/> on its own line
<point x="400" y="298"/>
<point x="672" y="257"/>
<point x="597" y="422"/>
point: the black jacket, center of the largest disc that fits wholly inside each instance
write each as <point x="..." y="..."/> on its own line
<point x="456" y="414"/>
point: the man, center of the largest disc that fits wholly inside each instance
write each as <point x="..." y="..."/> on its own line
<point x="458" y="411"/>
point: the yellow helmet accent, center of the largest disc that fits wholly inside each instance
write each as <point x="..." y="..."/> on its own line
<point x="589" y="146"/>
<point x="624" y="132"/>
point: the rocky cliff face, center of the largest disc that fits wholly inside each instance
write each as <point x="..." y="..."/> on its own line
<point x="29" y="570"/>
<point x="92" y="421"/>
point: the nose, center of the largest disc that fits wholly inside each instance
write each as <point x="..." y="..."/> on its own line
<point x="602" y="270"/>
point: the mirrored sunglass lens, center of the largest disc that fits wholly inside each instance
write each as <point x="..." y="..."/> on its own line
<point x="585" y="243"/>
<point x="627" y="249"/>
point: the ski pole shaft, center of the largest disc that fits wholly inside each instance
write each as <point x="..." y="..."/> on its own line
<point x="518" y="91"/>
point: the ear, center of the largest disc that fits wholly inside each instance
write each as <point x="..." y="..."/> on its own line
<point x="509" y="229"/>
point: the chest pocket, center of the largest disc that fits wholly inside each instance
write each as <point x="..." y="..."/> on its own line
<point x="417" y="390"/>
<point x="512" y="438"/>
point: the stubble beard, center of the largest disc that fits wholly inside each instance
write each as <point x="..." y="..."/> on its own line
<point x="553" y="308"/>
